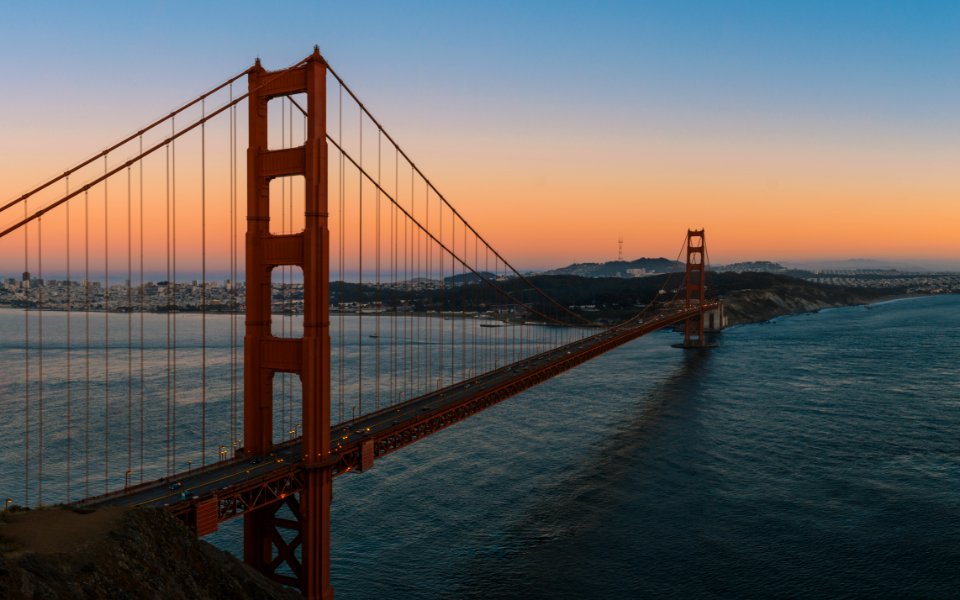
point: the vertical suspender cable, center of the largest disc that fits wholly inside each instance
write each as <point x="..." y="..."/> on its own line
<point x="424" y="289"/>
<point x="203" y="286"/>
<point x="429" y="277"/>
<point x="496" y="337"/>
<point x="423" y="343"/>
<point x="142" y="291"/>
<point x="476" y="304"/>
<point x="461" y="321"/>
<point x="436" y="273"/>
<point x="477" y="301"/>
<point x="463" y="308"/>
<point x="407" y="333"/>
<point x="521" y="326"/>
<point x="106" y="335"/>
<point x="287" y="390"/>
<point x="360" y="279"/>
<point x="233" y="275"/>
<point x="416" y="350"/>
<point x="511" y="345"/>
<point x="40" y="285"/>
<point x="233" y="282"/>
<point x="412" y="318"/>
<point x="169" y="310"/>
<point x="173" y="205"/>
<point x="86" y="327"/>
<point x="290" y="378"/>
<point x="515" y="310"/>
<point x="441" y="259"/>
<point x="376" y="394"/>
<point x="69" y="352"/>
<point x="485" y="348"/>
<point x="25" y="283"/>
<point x="283" y="273"/>
<point x="418" y="362"/>
<point x="395" y="264"/>
<point x="288" y="295"/>
<point x="453" y="280"/>
<point x="341" y="300"/>
<point x="410" y="276"/>
<point x="423" y="262"/>
<point x="129" y="326"/>
<point x="236" y="290"/>
<point x="448" y="300"/>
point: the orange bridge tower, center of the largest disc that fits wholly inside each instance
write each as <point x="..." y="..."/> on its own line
<point x="696" y="289"/>
<point x="264" y="354"/>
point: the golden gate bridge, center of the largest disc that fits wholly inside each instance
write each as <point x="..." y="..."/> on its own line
<point x="375" y="314"/>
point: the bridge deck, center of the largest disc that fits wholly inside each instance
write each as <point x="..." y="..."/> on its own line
<point x="245" y="483"/>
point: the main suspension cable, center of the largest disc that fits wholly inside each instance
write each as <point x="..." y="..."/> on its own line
<point x="124" y="141"/>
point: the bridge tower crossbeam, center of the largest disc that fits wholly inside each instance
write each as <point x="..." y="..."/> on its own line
<point x="265" y="355"/>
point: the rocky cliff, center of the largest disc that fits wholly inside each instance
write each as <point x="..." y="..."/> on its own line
<point x="118" y="553"/>
<point x="757" y="305"/>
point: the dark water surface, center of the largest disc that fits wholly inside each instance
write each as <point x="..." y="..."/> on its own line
<point x="816" y="455"/>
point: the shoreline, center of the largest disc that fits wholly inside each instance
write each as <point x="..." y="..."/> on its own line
<point x="742" y="307"/>
<point x="808" y="306"/>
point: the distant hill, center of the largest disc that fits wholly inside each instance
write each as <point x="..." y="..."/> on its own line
<point x="640" y="267"/>
<point x="763" y="266"/>
<point x="753" y="266"/>
<point x="870" y="264"/>
<point x="468" y="277"/>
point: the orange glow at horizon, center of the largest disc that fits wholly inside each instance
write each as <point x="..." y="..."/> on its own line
<point x="547" y="201"/>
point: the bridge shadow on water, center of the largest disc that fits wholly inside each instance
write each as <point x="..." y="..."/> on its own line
<point x="574" y="542"/>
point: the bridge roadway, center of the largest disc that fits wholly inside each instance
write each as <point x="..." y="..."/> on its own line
<point x="230" y="487"/>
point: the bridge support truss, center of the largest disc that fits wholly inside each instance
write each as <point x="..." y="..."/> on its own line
<point x="264" y="355"/>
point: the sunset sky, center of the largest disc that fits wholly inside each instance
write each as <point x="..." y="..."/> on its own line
<point x="790" y="131"/>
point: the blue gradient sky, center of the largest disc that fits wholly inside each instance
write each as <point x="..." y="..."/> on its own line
<point x="790" y="130"/>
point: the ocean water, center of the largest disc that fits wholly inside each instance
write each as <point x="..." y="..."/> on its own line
<point x="74" y="404"/>
<point x="816" y="455"/>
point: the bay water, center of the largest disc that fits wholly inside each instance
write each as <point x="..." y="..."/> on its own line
<point x="814" y="455"/>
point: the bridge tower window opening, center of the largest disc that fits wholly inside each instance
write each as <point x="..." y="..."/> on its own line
<point x="287" y="407"/>
<point x="286" y="301"/>
<point x="287" y="204"/>
<point x="286" y="116"/>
